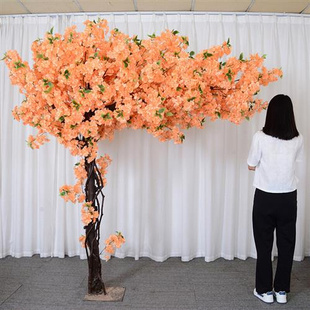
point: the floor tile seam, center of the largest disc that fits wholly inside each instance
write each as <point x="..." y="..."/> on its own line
<point x="11" y="294"/>
<point x="48" y="286"/>
<point x="81" y="283"/>
<point x="196" y="301"/>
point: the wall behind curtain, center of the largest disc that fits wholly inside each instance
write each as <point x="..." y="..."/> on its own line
<point x="190" y="200"/>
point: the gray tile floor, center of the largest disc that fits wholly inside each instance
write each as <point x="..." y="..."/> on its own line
<point x="53" y="284"/>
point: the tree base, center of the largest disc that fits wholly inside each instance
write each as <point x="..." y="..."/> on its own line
<point x="114" y="293"/>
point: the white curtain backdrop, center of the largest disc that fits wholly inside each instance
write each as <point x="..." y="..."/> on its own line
<point x="190" y="200"/>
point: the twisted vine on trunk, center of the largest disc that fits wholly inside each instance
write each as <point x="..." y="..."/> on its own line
<point x="94" y="194"/>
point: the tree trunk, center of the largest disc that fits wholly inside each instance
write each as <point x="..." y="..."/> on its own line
<point x="93" y="188"/>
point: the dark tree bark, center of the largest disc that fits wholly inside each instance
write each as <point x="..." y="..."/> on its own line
<point x="93" y="192"/>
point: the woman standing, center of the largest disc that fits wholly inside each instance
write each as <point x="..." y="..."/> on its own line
<point x="272" y="156"/>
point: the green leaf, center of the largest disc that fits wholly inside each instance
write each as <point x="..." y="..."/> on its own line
<point x="19" y="64"/>
<point x="179" y="88"/>
<point x="175" y="32"/>
<point x="152" y="35"/>
<point x="48" y="84"/>
<point x="116" y="30"/>
<point x="200" y="90"/>
<point x="199" y="73"/>
<point x="126" y="62"/>
<point x="49" y="89"/>
<point x="36" y="124"/>
<point x="169" y="114"/>
<point x="218" y="114"/>
<point x="228" y="42"/>
<point x="41" y="56"/>
<point x="77" y="164"/>
<point x="64" y="193"/>
<point x="161" y="126"/>
<point x="90" y="140"/>
<point x="191" y="54"/>
<point x="191" y="99"/>
<point x="82" y="93"/>
<point x="229" y="75"/>
<point x="120" y="113"/>
<point x="94" y="56"/>
<point x="182" y="138"/>
<point x="76" y="105"/>
<point x="70" y="38"/>
<point x="264" y="56"/>
<point x="185" y="41"/>
<point x="62" y="119"/>
<point x="241" y="57"/>
<point x="222" y="64"/>
<point x="102" y="88"/>
<point x="206" y="55"/>
<point x="52" y="39"/>
<point x="247" y="118"/>
<point x="51" y="31"/>
<point x="87" y="91"/>
<point x="67" y="74"/>
<point x="136" y="40"/>
<point x="202" y="121"/>
<point x="106" y="116"/>
<point x="159" y="112"/>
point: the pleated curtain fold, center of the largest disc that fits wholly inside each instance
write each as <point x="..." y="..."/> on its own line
<point x="190" y="200"/>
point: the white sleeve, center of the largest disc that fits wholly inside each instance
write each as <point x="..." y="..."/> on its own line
<point x="300" y="151"/>
<point x="255" y="152"/>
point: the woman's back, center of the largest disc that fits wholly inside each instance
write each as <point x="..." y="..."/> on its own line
<point x="275" y="162"/>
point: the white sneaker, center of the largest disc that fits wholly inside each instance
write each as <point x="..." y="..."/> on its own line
<point x="281" y="297"/>
<point x="265" y="297"/>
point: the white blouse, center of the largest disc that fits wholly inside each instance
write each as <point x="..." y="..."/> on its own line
<point x="275" y="160"/>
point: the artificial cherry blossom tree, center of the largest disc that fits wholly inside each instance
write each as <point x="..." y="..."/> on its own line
<point x="84" y="86"/>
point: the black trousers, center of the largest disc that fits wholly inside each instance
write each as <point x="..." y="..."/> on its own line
<point x="274" y="212"/>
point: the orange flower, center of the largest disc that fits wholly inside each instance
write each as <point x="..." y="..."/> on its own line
<point x="114" y="241"/>
<point x="82" y="239"/>
<point x="88" y="213"/>
<point x="85" y="86"/>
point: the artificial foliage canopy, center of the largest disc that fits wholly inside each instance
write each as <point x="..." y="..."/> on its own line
<point x="84" y="86"/>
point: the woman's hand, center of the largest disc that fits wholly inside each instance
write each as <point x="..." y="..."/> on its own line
<point x="252" y="168"/>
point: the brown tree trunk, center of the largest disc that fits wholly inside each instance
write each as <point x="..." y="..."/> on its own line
<point x="93" y="188"/>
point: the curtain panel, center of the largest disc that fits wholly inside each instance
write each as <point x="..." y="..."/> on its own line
<point x="190" y="200"/>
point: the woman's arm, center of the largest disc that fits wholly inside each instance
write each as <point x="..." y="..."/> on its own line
<point x="254" y="153"/>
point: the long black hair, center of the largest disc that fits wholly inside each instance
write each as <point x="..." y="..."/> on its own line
<point x="280" y="120"/>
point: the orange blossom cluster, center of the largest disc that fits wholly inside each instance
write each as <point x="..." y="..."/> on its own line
<point x="84" y="86"/>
